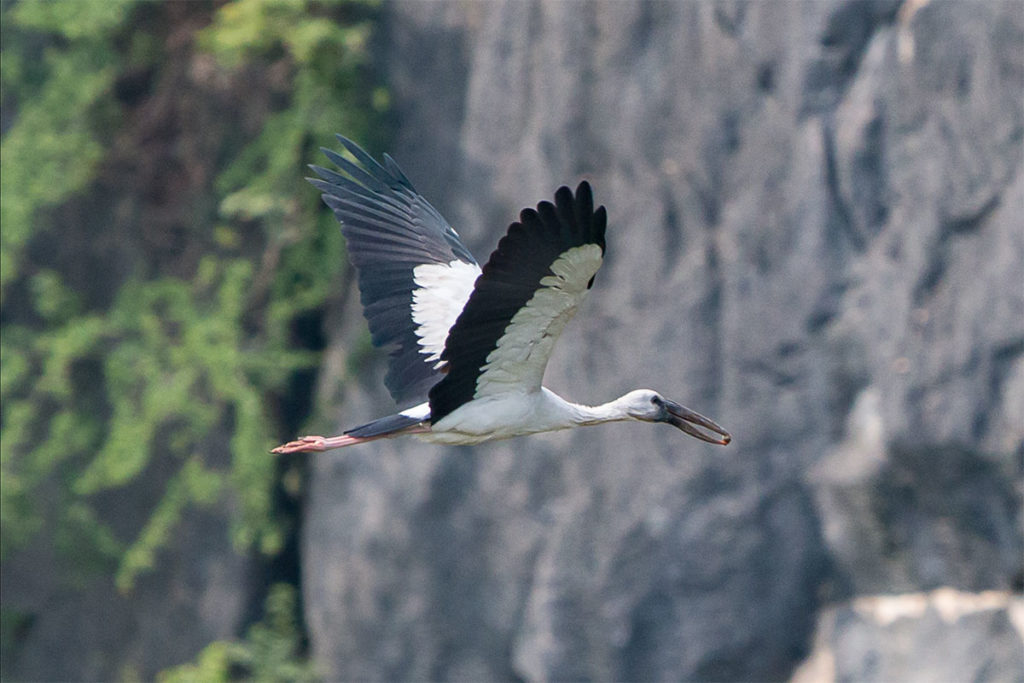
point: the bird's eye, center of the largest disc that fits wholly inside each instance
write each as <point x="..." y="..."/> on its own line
<point x="656" y="400"/>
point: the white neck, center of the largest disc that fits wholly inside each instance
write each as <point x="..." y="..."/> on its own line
<point x="613" y="411"/>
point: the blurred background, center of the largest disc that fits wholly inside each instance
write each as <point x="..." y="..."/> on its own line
<point x="815" y="237"/>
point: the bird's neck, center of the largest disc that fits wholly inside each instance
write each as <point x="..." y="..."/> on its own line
<point x="613" y="411"/>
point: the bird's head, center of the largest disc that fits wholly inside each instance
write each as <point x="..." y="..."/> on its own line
<point x="650" y="406"/>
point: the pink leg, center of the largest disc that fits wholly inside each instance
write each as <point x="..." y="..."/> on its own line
<point x="306" y="444"/>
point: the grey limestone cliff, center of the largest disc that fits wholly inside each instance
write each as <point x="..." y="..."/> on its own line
<point x="815" y="237"/>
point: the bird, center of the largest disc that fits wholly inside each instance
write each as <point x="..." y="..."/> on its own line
<point x="469" y="345"/>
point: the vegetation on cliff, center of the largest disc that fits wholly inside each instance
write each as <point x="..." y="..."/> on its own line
<point x="162" y="264"/>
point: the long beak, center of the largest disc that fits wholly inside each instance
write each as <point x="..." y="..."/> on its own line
<point x="682" y="417"/>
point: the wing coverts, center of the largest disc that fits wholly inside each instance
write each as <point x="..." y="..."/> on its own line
<point x="545" y="250"/>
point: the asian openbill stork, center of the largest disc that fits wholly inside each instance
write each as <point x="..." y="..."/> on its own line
<point x="473" y="342"/>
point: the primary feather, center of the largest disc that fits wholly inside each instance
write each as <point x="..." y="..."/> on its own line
<point x="399" y="245"/>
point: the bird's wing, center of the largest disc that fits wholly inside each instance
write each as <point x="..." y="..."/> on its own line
<point x="530" y="288"/>
<point x="415" y="274"/>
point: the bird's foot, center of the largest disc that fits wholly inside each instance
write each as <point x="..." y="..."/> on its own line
<point x="306" y="444"/>
<point x="303" y="444"/>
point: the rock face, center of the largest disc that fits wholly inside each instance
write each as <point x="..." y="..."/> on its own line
<point x="942" y="635"/>
<point x="815" y="237"/>
<point x="90" y="631"/>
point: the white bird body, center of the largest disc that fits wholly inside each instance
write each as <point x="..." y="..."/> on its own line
<point x="476" y="340"/>
<point x="503" y="416"/>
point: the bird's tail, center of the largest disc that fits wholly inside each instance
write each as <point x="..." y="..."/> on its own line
<point x="386" y="426"/>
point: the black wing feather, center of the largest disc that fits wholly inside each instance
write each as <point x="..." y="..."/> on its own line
<point x="510" y="278"/>
<point x="390" y="229"/>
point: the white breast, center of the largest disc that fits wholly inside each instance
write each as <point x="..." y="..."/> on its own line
<point x="502" y="416"/>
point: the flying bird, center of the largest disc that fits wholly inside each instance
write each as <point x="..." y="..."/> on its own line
<point x="473" y="342"/>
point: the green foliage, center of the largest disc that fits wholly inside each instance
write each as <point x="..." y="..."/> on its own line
<point x="169" y="379"/>
<point x="271" y="651"/>
<point x="246" y="28"/>
<point x="72" y="19"/>
<point x="51" y="150"/>
<point x="58" y="65"/>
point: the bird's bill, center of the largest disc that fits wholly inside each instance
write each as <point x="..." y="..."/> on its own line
<point x="685" y="419"/>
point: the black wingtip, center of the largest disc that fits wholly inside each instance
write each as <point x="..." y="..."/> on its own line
<point x="600" y="226"/>
<point x="594" y="220"/>
<point x="346" y="142"/>
<point x="320" y="171"/>
<point x="395" y="170"/>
